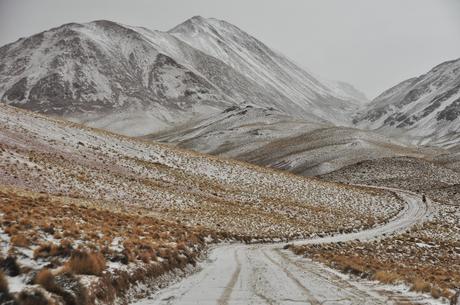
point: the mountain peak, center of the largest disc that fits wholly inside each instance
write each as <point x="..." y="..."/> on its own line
<point x="200" y="23"/>
<point x="198" y="18"/>
<point x="190" y="24"/>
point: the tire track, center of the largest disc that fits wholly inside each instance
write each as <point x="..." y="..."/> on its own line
<point x="308" y="293"/>
<point x="225" y="297"/>
<point x="327" y="277"/>
<point x="256" y="269"/>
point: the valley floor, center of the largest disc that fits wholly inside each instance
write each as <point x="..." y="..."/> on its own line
<point x="269" y="274"/>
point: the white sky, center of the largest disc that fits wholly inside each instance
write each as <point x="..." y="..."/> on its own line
<point x="373" y="44"/>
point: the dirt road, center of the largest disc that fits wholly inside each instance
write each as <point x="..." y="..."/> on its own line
<point x="267" y="274"/>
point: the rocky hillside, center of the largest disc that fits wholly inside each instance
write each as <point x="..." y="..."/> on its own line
<point x="268" y="137"/>
<point x="426" y="107"/>
<point x="134" y="81"/>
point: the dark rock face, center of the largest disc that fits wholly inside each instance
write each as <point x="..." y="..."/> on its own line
<point x="17" y="91"/>
<point x="451" y="112"/>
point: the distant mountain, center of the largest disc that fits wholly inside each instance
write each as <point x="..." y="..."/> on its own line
<point x="266" y="136"/>
<point x="135" y="81"/>
<point x="110" y="76"/>
<point x="426" y="107"/>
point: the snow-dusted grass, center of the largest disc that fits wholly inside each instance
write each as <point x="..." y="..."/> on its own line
<point x="71" y="241"/>
<point x="67" y="159"/>
<point x="427" y="256"/>
<point x="148" y="208"/>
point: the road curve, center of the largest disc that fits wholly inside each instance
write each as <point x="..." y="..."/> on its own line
<point x="414" y="211"/>
<point x="240" y="274"/>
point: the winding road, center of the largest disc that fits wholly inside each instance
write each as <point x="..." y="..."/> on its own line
<point x="240" y="274"/>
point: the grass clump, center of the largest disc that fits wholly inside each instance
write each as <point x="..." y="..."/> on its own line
<point x="420" y="285"/>
<point x="85" y="262"/>
<point x="20" y="240"/>
<point x="32" y="297"/>
<point x="386" y="277"/>
<point x="45" y="279"/>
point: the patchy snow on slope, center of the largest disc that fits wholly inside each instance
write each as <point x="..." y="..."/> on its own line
<point x="135" y="81"/>
<point x="423" y="109"/>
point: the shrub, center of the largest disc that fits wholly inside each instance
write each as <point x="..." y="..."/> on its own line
<point x="45" y="279"/>
<point x="32" y="297"/>
<point x="386" y="277"/>
<point x="20" y="240"/>
<point x="436" y="292"/>
<point x="45" y="250"/>
<point x="10" y="266"/>
<point x="420" y="285"/>
<point x="84" y="262"/>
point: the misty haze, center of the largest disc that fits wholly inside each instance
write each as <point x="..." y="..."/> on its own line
<point x="229" y="153"/>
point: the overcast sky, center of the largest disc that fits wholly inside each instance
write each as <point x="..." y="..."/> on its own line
<point x="371" y="44"/>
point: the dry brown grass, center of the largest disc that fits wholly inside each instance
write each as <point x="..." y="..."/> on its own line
<point x="33" y="297"/>
<point x="387" y="263"/>
<point x="20" y="240"/>
<point x="64" y="284"/>
<point x="140" y="239"/>
<point x="419" y="285"/>
<point x="51" y="249"/>
<point x="436" y="292"/>
<point x="387" y="277"/>
<point x="85" y="262"/>
<point x="45" y="279"/>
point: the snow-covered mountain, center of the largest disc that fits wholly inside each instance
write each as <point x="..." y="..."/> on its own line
<point x="426" y="108"/>
<point x="135" y="81"/>
<point x="108" y="75"/>
<point x="300" y="90"/>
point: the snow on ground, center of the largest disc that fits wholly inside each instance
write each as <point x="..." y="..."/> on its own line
<point x="67" y="159"/>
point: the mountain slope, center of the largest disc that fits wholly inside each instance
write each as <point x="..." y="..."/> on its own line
<point x="106" y="75"/>
<point x="66" y="159"/>
<point x="268" y="137"/>
<point x="261" y="64"/>
<point x="426" y="107"/>
<point x="135" y="81"/>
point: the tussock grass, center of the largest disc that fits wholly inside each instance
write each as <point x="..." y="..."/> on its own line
<point x="84" y="262"/>
<point x="387" y="277"/>
<point x="419" y="285"/>
<point x="45" y="279"/>
<point x="390" y="265"/>
<point x="20" y="240"/>
<point x="125" y="236"/>
<point x="33" y="296"/>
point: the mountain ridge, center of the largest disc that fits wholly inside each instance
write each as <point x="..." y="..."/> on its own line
<point x="135" y="81"/>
